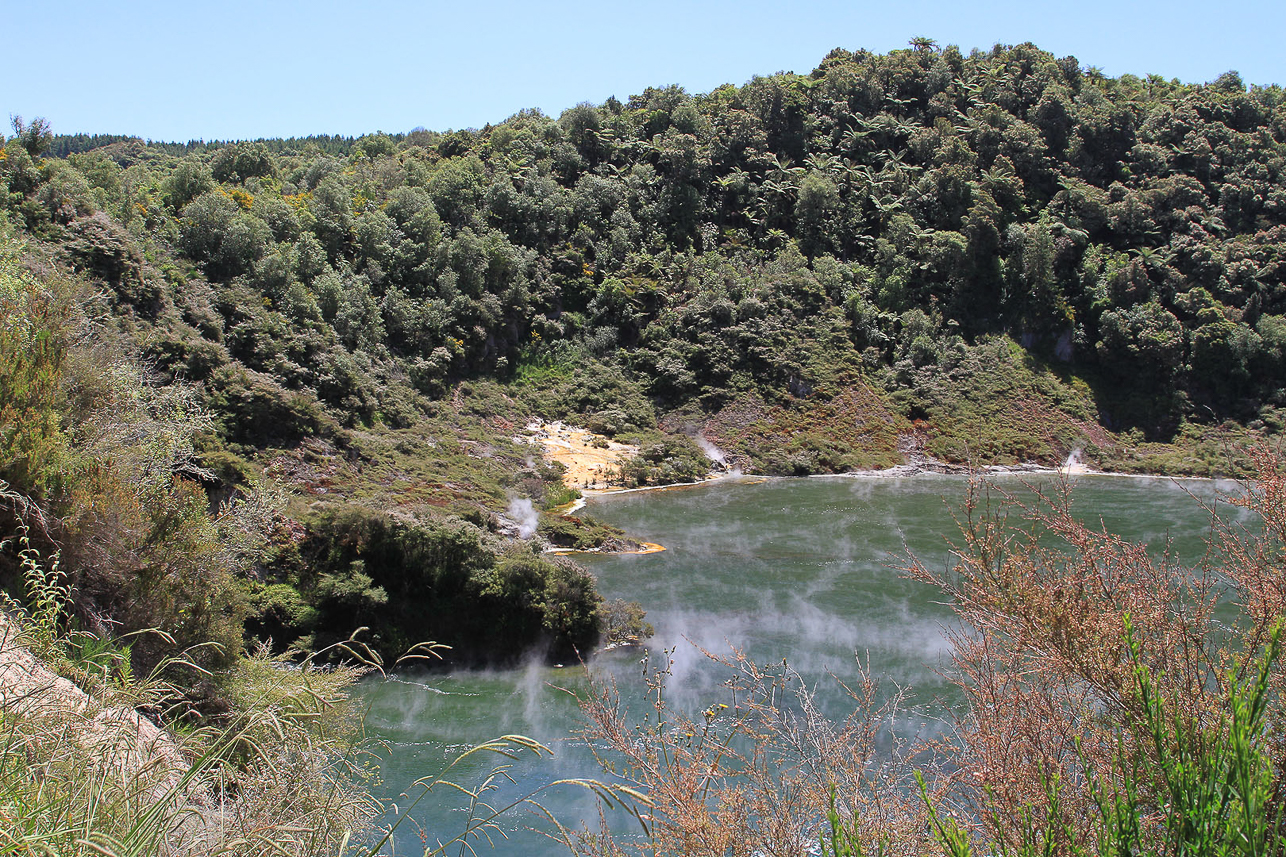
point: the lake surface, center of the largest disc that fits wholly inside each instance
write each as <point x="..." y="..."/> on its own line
<point x="801" y="569"/>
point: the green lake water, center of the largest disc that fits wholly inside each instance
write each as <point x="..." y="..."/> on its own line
<point x="800" y="569"/>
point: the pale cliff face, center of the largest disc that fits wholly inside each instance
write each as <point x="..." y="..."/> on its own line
<point x="64" y="719"/>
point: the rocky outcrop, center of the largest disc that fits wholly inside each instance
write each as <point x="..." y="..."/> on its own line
<point x="60" y="723"/>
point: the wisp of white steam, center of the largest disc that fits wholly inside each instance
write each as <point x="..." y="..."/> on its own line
<point x="524" y="515"/>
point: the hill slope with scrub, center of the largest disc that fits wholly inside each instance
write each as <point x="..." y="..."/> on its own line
<point x="878" y="223"/>
<point x="990" y="258"/>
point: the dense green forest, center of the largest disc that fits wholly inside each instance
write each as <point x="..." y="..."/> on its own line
<point x="991" y="258"/>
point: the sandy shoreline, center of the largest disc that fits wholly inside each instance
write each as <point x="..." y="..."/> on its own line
<point x="643" y="549"/>
<point x="593" y="461"/>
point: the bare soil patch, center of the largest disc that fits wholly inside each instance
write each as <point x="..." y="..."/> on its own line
<point x="592" y="460"/>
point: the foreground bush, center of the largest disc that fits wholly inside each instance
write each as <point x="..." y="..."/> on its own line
<point x="1169" y="790"/>
<point x="1102" y="675"/>
<point x="759" y="773"/>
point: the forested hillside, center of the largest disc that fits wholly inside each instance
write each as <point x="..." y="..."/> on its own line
<point x="994" y="257"/>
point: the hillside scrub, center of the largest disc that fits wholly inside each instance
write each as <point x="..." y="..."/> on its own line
<point x="110" y="465"/>
<point x="99" y="465"/>
<point x="900" y="215"/>
<point x="997" y="257"/>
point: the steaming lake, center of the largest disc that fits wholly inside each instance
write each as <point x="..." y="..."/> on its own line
<point x="801" y="569"/>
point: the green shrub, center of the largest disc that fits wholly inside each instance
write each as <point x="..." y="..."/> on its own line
<point x="251" y="408"/>
<point x="448" y="581"/>
<point x="35" y="329"/>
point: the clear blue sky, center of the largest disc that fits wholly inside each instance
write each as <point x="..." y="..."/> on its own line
<point x="239" y="69"/>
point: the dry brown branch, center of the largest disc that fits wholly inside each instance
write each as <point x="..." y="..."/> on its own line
<point x="756" y="774"/>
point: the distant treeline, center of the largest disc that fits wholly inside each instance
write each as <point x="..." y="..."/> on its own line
<point x="63" y="145"/>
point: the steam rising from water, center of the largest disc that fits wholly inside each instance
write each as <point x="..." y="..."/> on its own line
<point x="524" y="515"/>
<point x="711" y="451"/>
<point x="1074" y="464"/>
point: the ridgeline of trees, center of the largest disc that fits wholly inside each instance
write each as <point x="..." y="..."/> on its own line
<point x="1128" y="227"/>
